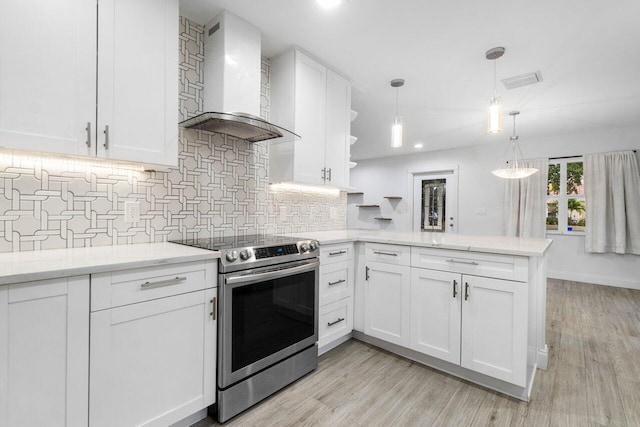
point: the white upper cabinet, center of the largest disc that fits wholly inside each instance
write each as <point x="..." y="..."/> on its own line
<point x="55" y="96"/>
<point x="48" y="75"/>
<point x="315" y="103"/>
<point x="138" y="80"/>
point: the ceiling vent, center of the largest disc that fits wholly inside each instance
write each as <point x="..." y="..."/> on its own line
<point x="522" y="80"/>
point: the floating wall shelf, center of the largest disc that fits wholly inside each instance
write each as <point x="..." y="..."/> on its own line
<point x="367" y="206"/>
<point x="383" y="219"/>
<point x="393" y="197"/>
<point x="355" y="193"/>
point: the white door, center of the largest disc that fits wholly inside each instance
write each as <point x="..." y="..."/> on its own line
<point x="436" y="313"/>
<point x="310" y="97"/>
<point x="494" y="314"/>
<point x="138" y="81"/>
<point x="48" y="76"/>
<point x="435" y="201"/>
<point x="386" y="314"/>
<point x="44" y="353"/>
<point x="153" y="363"/>
<point x="338" y="129"/>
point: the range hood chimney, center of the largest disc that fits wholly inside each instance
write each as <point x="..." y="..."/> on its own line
<point x="232" y="73"/>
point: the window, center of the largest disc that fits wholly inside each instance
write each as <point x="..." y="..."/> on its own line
<point x="566" y="207"/>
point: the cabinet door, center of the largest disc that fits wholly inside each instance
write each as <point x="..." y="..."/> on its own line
<point x="338" y="129"/>
<point x="47" y="75"/>
<point x="494" y="325"/>
<point x="44" y="353"/>
<point x="310" y="94"/>
<point x="153" y="363"/>
<point x="436" y="313"/>
<point x="386" y="306"/>
<point x="138" y="80"/>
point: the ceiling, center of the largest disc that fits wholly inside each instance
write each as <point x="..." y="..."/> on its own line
<point x="587" y="51"/>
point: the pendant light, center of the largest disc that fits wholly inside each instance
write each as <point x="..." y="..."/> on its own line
<point x="396" y="129"/>
<point x="494" y="115"/>
<point x="514" y="169"/>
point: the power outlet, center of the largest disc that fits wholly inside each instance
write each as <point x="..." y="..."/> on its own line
<point x="131" y="212"/>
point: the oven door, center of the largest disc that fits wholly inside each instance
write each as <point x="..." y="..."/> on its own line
<point x="266" y="315"/>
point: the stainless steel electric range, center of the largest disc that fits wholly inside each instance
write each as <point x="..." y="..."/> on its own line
<point x="268" y="316"/>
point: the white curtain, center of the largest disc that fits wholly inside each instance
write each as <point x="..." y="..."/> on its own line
<point x="525" y="202"/>
<point x="612" y="193"/>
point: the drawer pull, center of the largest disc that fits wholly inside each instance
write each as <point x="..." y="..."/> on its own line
<point x="455" y="290"/>
<point x="159" y="283"/>
<point x="337" y="282"/>
<point x="385" y="253"/>
<point x="462" y="262"/>
<point x="337" y="253"/>
<point x="335" y="322"/>
<point x="466" y="291"/>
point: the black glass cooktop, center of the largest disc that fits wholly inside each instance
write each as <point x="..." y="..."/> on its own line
<point x="238" y="242"/>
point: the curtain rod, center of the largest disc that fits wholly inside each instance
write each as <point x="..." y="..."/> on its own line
<point x="571" y="157"/>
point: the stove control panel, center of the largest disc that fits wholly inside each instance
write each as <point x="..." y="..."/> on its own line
<point x="274" y="251"/>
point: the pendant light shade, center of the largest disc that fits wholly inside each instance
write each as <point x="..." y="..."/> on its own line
<point x="494" y="114"/>
<point x="514" y="169"/>
<point x="396" y="128"/>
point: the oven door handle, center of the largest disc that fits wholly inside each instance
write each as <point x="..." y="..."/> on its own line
<point x="270" y="274"/>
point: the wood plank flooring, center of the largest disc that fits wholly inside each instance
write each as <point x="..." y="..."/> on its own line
<point x="593" y="379"/>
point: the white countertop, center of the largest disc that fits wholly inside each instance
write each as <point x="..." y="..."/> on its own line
<point x="461" y="242"/>
<point x="49" y="264"/>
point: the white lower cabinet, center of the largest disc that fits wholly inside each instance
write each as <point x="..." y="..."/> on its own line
<point x="153" y="362"/>
<point x="494" y="328"/>
<point x="335" y="294"/>
<point x="436" y="314"/>
<point x="44" y="353"/>
<point x="476" y="322"/>
<point x="386" y="302"/>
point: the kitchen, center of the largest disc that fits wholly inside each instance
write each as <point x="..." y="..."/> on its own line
<point x="221" y="186"/>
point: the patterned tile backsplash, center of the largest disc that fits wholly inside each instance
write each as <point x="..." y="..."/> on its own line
<point x="221" y="187"/>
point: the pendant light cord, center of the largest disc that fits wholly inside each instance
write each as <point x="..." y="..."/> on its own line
<point x="494" y="77"/>
<point x="397" y="103"/>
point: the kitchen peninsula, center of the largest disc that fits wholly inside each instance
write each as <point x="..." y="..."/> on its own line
<point x="473" y="306"/>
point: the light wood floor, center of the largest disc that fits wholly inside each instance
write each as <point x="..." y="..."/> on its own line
<point x="593" y="333"/>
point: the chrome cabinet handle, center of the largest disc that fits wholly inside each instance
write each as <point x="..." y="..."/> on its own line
<point x="213" y="308"/>
<point x="455" y="291"/>
<point x="466" y="291"/>
<point x="340" y="319"/>
<point x="337" y="253"/>
<point x="385" y="253"/>
<point x="329" y="172"/>
<point x="324" y="174"/>
<point x="366" y="273"/>
<point x="463" y="262"/>
<point x="336" y="283"/>
<point x="88" y="129"/>
<point x="159" y="283"/>
<point x="106" y="137"/>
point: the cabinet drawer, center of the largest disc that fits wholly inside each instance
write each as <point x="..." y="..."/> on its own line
<point x="124" y="287"/>
<point x="388" y="254"/>
<point x="478" y="264"/>
<point x="336" y="281"/>
<point x="336" y="320"/>
<point x="336" y="253"/>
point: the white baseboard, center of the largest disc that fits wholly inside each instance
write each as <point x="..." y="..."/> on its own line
<point x="543" y="357"/>
<point x="590" y="278"/>
<point x="191" y="419"/>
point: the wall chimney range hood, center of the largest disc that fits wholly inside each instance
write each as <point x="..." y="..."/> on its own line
<point x="232" y="62"/>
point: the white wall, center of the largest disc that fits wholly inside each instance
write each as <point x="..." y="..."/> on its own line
<point x="479" y="189"/>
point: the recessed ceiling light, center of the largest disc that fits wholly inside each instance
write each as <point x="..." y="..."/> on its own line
<point x="418" y="145"/>
<point x="329" y="4"/>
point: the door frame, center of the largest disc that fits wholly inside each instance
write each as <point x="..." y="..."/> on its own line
<point x="450" y="173"/>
